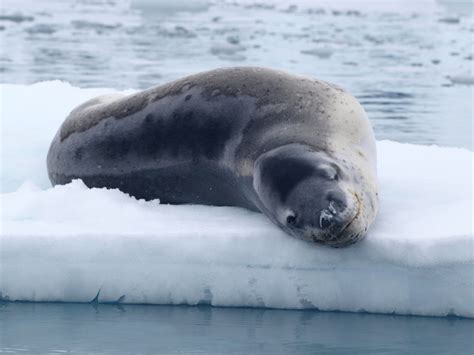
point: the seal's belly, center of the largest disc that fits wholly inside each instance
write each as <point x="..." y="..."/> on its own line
<point x="179" y="184"/>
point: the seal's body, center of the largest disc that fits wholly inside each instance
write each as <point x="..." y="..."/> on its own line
<point x="300" y="150"/>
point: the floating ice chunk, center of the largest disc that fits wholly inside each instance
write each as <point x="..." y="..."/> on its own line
<point x="449" y="20"/>
<point x="16" y="17"/>
<point x="68" y="242"/>
<point x="177" y="31"/>
<point x="162" y="8"/>
<point x="462" y="79"/>
<point x="228" y="51"/>
<point x="322" y="53"/>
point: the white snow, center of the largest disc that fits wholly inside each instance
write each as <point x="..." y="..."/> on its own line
<point x="69" y="242"/>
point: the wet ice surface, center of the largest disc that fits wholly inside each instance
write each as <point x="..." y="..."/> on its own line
<point x="409" y="63"/>
<point x="79" y="329"/>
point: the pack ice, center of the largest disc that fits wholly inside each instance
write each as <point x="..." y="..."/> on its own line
<point x="74" y="244"/>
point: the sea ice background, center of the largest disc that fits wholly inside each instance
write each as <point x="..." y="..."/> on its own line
<point x="408" y="62"/>
<point x="410" y="65"/>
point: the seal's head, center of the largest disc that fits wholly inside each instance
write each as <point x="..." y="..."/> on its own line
<point x="313" y="196"/>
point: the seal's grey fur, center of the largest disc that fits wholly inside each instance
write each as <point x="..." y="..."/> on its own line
<point x="300" y="150"/>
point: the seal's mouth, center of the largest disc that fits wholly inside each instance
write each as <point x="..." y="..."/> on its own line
<point x="353" y="218"/>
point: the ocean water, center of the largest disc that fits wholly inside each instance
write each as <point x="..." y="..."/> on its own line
<point x="410" y="63"/>
<point x="53" y="328"/>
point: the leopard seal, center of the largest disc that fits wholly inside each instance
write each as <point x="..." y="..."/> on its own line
<point x="300" y="150"/>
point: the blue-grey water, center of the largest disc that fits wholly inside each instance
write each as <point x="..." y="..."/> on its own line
<point x="410" y="63"/>
<point x="51" y="328"/>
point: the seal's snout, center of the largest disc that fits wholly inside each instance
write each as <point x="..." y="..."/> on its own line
<point x="327" y="217"/>
<point x="333" y="215"/>
<point x="337" y="223"/>
<point x="332" y="221"/>
<point x="329" y="223"/>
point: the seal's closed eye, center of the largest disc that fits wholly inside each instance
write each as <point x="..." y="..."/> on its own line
<point x="328" y="171"/>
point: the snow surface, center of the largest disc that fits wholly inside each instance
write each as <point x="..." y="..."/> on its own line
<point x="71" y="243"/>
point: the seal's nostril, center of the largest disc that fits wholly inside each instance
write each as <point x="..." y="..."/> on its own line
<point x="324" y="223"/>
<point x="291" y="220"/>
<point x="325" y="219"/>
